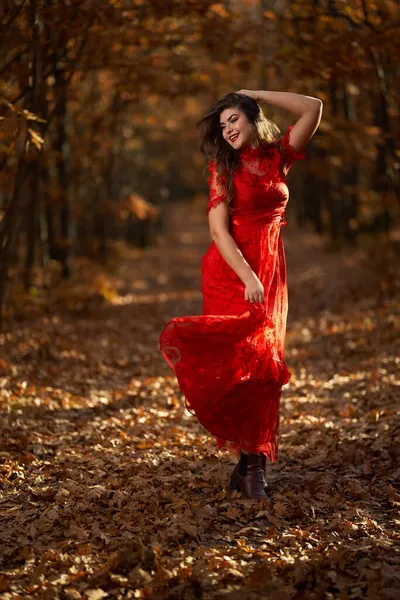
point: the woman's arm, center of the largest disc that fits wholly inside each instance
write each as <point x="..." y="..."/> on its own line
<point x="308" y="107"/>
<point x="218" y="217"/>
<point x="219" y="230"/>
<point x="296" y="103"/>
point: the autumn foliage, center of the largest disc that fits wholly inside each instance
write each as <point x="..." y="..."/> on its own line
<point x="108" y="488"/>
<point x="99" y="102"/>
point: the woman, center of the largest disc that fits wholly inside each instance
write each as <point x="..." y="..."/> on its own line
<point x="229" y="361"/>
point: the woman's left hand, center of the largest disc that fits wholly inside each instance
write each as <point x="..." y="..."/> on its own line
<point x="250" y="93"/>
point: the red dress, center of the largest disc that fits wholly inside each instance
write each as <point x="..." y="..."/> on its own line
<point x="229" y="360"/>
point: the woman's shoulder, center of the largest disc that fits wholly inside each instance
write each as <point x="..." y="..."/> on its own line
<point x="288" y="153"/>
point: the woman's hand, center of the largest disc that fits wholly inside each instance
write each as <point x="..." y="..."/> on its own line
<point x="254" y="291"/>
<point x="250" y="93"/>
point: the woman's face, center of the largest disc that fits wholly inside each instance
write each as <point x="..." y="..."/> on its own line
<point x="236" y="128"/>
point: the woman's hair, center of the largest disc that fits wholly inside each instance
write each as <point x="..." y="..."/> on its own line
<point x="215" y="147"/>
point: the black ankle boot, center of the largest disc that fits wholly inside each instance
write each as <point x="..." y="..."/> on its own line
<point x="251" y="485"/>
<point x="241" y="469"/>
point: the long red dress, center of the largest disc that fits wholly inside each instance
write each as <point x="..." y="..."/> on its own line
<point x="229" y="360"/>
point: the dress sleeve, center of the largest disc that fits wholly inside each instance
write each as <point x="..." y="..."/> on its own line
<point x="217" y="191"/>
<point x="288" y="154"/>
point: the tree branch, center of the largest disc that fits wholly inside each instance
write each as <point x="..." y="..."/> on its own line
<point x="16" y="56"/>
<point x="10" y="22"/>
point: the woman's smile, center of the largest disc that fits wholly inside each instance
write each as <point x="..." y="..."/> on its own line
<point x="236" y="128"/>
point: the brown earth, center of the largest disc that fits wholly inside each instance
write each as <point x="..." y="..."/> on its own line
<point x="110" y="489"/>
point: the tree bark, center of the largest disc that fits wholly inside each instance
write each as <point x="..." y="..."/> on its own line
<point x="351" y="179"/>
<point x="10" y="222"/>
<point x="33" y="210"/>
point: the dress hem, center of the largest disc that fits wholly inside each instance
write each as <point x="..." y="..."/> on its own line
<point x="268" y="448"/>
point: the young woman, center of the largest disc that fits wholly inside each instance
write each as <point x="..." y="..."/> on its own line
<point x="229" y="360"/>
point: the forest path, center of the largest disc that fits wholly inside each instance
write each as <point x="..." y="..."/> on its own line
<point x="110" y="487"/>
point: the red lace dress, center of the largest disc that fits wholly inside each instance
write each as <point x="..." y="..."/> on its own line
<point x="229" y="360"/>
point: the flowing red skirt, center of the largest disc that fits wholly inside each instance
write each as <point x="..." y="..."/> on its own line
<point x="229" y="360"/>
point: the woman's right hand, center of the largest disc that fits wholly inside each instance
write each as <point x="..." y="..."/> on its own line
<point x="254" y="291"/>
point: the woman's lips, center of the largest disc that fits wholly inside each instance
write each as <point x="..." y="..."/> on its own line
<point x="233" y="139"/>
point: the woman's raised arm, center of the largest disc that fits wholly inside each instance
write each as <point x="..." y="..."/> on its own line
<point x="308" y="107"/>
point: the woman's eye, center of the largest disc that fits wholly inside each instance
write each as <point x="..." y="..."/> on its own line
<point x="232" y="121"/>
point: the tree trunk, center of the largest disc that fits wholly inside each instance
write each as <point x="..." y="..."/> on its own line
<point x="351" y="179"/>
<point x="335" y="195"/>
<point x="387" y="176"/>
<point x="32" y="225"/>
<point x="35" y="169"/>
<point x="61" y="145"/>
<point x="9" y="224"/>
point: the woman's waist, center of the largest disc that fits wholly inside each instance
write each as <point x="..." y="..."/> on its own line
<point x="259" y="216"/>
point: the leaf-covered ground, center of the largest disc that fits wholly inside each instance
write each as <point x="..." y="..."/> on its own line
<point x="110" y="489"/>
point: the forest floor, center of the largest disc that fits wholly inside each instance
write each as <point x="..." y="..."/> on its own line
<point x="109" y="488"/>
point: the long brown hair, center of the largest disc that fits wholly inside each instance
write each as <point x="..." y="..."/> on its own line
<point x="215" y="147"/>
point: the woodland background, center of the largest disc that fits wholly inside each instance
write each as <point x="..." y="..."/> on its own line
<point x="107" y="488"/>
